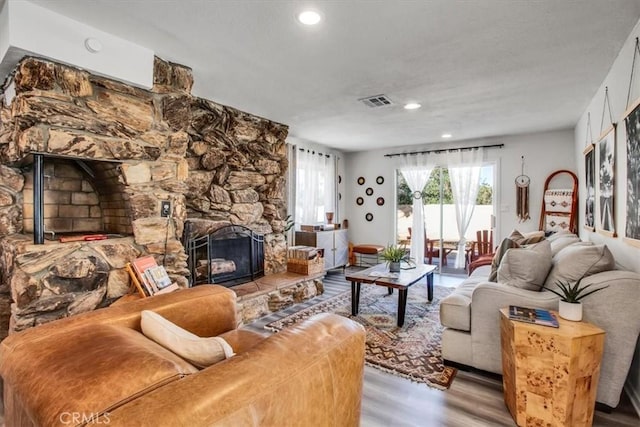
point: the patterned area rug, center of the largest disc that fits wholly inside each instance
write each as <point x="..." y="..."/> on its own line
<point x="412" y="351"/>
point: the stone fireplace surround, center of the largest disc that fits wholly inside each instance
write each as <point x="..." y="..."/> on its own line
<point x="214" y="164"/>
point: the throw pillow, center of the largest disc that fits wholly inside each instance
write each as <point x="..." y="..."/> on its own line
<point x="532" y="237"/>
<point x="526" y="238"/>
<point x="526" y="267"/>
<point x="506" y="243"/>
<point x="200" y="352"/>
<point x="562" y="242"/>
<point x="577" y="261"/>
<point x="559" y="234"/>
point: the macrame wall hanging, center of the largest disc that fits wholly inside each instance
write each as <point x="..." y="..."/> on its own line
<point x="522" y="195"/>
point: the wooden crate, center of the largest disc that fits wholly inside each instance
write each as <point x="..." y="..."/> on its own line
<point x="306" y="267"/>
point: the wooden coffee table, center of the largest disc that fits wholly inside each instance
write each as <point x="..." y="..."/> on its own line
<point x="405" y="279"/>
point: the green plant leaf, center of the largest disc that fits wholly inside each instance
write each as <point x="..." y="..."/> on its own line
<point x="589" y="293"/>
<point x="573" y="293"/>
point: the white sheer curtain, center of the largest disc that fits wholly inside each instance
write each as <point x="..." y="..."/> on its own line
<point x="464" y="172"/>
<point x="416" y="173"/>
<point x="315" y="186"/>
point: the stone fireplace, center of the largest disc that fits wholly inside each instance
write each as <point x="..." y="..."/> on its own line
<point x="78" y="196"/>
<point x="111" y="156"/>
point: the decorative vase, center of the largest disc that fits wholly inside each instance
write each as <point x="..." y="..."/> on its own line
<point x="394" y="267"/>
<point x="329" y="216"/>
<point x="570" y="310"/>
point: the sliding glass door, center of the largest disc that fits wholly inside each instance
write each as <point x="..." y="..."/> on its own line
<point x="441" y="226"/>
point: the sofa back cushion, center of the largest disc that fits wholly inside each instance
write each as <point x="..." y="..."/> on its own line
<point x="526" y="267"/>
<point x="577" y="261"/>
<point x="90" y="371"/>
<point x="562" y="241"/>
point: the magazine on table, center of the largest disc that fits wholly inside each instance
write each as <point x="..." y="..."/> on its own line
<point x="537" y="316"/>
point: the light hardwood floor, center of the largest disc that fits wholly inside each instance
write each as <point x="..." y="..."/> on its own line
<point x="474" y="399"/>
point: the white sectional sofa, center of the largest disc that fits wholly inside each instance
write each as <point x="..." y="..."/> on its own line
<point x="471" y="317"/>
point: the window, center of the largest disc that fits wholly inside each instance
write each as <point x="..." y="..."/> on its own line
<point x="315" y="186"/>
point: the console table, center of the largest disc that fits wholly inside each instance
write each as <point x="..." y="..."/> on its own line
<point x="550" y="375"/>
<point x="335" y="244"/>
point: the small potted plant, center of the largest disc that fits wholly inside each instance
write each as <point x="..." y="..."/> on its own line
<point x="570" y="306"/>
<point x="394" y="255"/>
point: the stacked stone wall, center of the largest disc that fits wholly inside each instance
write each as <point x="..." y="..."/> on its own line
<point x="211" y="162"/>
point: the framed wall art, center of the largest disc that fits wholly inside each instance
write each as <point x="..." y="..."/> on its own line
<point x="606" y="182"/>
<point x="632" y="143"/>
<point x="590" y="183"/>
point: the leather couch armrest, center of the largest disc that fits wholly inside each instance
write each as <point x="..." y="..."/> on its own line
<point x="308" y="374"/>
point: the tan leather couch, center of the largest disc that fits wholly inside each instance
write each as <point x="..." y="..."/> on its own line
<point x="99" y="365"/>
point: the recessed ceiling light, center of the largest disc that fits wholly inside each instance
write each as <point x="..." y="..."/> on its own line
<point x="309" y="17"/>
<point x="446" y="135"/>
<point x="412" y="106"/>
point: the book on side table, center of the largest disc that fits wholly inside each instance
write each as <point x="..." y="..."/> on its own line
<point x="537" y="316"/>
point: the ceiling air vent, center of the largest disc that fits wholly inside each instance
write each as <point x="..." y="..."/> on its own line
<point x="376" y="101"/>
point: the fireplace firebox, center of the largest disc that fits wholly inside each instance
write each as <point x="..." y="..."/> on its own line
<point x="229" y="256"/>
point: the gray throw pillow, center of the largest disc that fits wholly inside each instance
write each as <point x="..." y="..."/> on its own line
<point x="526" y="267"/>
<point x="562" y="242"/>
<point x="507" y="243"/>
<point x="577" y="261"/>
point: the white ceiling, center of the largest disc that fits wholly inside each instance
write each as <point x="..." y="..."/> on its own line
<point x="479" y="68"/>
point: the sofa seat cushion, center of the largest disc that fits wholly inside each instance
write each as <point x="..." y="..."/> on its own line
<point x="201" y="351"/>
<point x="93" y="370"/>
<point x="455" y="309"/>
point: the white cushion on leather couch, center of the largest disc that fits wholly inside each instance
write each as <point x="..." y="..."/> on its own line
<point x="201" y="352"/>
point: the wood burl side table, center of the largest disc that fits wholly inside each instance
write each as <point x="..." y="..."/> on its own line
<point x="550" y="375"/>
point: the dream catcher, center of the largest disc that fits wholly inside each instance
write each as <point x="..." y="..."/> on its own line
<point x="522" y="194"/>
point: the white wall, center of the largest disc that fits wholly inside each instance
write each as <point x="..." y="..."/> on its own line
<point x="544" y="153"/>
<point x="4" y="30"/>
<point x="30" y="29"/>
<point x="627" y="256"/>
